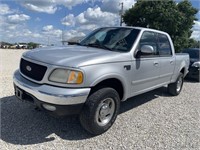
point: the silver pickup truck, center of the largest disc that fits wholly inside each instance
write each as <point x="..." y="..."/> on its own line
<point x="91" y="78"/>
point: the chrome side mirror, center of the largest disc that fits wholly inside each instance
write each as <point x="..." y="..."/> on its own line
<point x="147" y="50"/>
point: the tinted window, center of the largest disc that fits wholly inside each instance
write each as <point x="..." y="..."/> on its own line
<point x="193" y="53"/>
<point x="164" y="46"/>
<point x="149" y="38"/>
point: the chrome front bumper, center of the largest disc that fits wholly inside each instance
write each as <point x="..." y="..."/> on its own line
<point x="51" y="94"/>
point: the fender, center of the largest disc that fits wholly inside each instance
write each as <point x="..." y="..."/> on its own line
<point x="114" y="76"/>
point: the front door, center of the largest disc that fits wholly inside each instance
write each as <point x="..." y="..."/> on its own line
<point x="146" y="68"/>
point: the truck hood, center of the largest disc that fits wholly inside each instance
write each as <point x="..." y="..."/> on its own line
<point x="75" y="56"/>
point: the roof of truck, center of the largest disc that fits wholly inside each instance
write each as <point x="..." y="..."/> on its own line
<point x="139" y="28"/>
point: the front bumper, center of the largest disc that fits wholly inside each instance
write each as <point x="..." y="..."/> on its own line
<point x="62" y="98"/>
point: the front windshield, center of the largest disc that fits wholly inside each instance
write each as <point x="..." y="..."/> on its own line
<point x="115" y="39"/>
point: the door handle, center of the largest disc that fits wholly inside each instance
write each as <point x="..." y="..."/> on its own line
<point x="127" y="67"/>
<point x="171" y="62"/>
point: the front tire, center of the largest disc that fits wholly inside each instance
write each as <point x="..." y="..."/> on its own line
<point x="176" y="87"/>
<point x="100" y="111"/>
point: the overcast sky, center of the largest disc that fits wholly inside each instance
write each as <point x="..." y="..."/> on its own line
<point x="40" y="20"/>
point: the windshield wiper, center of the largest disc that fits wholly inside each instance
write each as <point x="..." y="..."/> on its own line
<point x="98" y="46"/>
<point x="77" y="44"/>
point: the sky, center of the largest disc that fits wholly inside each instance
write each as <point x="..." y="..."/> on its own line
<point x="50" y="21"/>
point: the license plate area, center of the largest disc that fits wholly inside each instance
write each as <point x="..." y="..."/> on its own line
<point x="19" y="93"/>
<point x="23" y="95"/>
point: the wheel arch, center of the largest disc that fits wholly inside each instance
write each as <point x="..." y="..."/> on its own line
<point x="114" y="82"/>
<point x="183" y="70"/>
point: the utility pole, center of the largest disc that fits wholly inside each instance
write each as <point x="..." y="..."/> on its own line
<point x="62" y="37"/>
<point x="48" y="40"/>
<point x="121" y="12"/>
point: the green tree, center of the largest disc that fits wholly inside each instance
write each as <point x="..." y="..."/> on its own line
<point x="194" y="44"/>
<point x="32" y="45"/>
<point x="166" y="15"/>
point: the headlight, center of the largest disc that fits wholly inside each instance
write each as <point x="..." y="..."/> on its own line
<point x="196" y="64"/>
<point x="66" y="76"/>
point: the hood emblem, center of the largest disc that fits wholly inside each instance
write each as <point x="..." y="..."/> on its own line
<point x="28" y="68"/>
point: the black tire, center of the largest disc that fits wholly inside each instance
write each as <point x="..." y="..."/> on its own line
<point x="88" y="116"/>
<point x="176" y="87"/>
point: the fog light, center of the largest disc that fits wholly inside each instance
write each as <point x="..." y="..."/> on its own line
<point x="49" y="107"/>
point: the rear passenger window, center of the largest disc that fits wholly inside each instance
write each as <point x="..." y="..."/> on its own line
<point x="149" y="38"/>
<point x="164" y="46"/>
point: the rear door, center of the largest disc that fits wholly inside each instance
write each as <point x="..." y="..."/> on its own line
<point x="167" y="60"/>
<point x="146" y="68"/>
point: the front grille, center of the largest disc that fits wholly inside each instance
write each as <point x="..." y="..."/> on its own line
<point x="32" y="70"/>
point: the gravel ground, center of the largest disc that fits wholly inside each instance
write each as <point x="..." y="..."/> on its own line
<point x="153" y="120"/>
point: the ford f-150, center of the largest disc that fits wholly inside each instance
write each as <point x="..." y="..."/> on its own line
<point x="94" y="76"/>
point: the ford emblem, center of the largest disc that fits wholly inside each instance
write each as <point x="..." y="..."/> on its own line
<point x="28" y="68"/>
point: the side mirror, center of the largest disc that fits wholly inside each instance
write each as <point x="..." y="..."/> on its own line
<point x="147" y="50"/>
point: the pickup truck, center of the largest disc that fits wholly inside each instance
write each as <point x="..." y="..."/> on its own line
<point x="91" y="79"/>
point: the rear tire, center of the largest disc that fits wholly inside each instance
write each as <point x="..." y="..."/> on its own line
<point x="176" y="87"/>
<point x="100" y="111"/>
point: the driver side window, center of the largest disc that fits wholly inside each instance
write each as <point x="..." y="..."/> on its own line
<point x="149" y="38"/>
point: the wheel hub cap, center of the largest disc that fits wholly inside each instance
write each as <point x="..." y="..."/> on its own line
<point x="105" y="111"/>
<point x="179" y="84"/>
